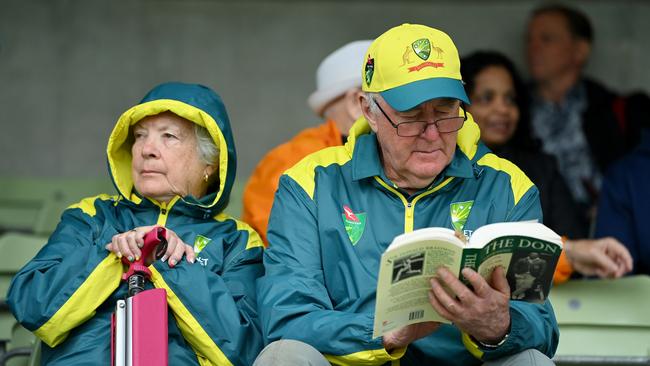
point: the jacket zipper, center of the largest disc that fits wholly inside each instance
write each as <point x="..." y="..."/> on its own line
<point x="164" y="211"/>
<point x="409" y="206"/>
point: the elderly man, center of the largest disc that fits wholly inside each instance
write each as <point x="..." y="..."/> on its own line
<point x="409" y="163"/>
<point x="337" y="99"/>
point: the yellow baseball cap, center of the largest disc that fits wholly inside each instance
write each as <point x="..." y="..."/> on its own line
<point x="411" y="64"/>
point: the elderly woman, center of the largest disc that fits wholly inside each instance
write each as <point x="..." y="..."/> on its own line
<point x="172" y="160"/>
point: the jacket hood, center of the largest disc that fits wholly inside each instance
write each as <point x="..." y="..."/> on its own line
<point x="197" y="104"/>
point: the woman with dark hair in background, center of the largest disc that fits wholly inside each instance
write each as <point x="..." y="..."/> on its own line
<point x="499" y="107"/>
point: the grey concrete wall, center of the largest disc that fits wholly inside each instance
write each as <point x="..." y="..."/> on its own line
<point x="68" y="68"/>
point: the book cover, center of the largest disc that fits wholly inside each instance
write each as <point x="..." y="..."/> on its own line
<point x="528" y="252"/>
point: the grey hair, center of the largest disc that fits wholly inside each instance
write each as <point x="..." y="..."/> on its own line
<point x="208" y="151"/>
<point x="372" y="102"/>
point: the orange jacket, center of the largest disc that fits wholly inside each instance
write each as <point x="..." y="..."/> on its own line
<point x="261" y="187"/>
<point x="563" y="270"/>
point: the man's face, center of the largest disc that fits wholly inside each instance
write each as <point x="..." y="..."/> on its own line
<point x="552" y="51"/>
<point x="413" y="162"/>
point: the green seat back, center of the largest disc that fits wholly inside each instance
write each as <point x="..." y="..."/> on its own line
<point x="17" y="249"/>
<point x="604" y="321"/>
<point x="34" y="205"/>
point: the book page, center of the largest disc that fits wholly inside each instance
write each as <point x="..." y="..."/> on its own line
<point x="403" y="284"/>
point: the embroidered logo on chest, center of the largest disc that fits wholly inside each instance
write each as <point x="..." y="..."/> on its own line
<point x="355" y="224"/>
<point x="200" y="242"/>
<point x="459" y="212"/>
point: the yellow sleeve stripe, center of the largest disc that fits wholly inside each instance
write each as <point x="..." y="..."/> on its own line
<point x="99" y="285"/>
<point x="472" y="347"/>
<point x="304" y="172"/>
<point x="87" y="205"/>
<point x="192" y="331"/>
<point x="368" y="358"/>
<point x="519" y="182"/>
<point x="254" y="239"/>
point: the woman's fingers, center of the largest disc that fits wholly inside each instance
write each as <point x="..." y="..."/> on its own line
<point x="131" y="240"/>
<point x="171" y="244"/>
<point x="129" y="244"/>
<point x="189" y="253"/>
<point x="178" y="252"/>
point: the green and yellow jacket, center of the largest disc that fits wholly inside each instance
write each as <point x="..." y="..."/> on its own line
<point x="335" y="213"/>
<point x="66" y="294"/>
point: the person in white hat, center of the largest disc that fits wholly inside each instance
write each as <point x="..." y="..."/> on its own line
<point x="338" y="87"/>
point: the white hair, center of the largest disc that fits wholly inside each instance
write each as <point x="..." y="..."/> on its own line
<point x="372" y="102"/>
<point x="208" y="150"/>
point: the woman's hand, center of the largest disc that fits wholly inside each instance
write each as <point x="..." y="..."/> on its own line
<point x="128" y="244"/>
<point x="604" y="257"/>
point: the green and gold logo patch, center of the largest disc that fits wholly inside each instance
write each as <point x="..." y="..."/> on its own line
<point x="459" y="212"/>
<point x="200" y="242"/>
<point x="369" y="70"/>
<point x="422" y="48"/>
<point x="354" y="224"/>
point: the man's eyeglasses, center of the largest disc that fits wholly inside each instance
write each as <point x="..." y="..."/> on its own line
<point x="416" y="128"/>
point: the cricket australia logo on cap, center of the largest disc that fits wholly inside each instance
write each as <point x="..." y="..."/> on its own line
<point x="355" y="224"/>
<point x="422" y="48"/>
<point x="369" y="70"/>
<point x="200" y="242"/>
<point x="459" y="212"/>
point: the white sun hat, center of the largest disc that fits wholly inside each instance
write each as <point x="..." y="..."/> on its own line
<point x="338" y="72"/>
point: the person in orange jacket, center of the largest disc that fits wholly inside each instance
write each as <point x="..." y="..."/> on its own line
<point x="338" y="86"/>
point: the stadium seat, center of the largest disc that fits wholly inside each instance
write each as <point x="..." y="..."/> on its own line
<point x="34" y="205"/>
<point x="17" y="249"/>
<point x="603" y="322"/>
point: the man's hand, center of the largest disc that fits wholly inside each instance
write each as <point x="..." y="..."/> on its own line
<point x="402" y="337"/>
<point x="604" y="257"/>
<point x="128" y="244"/>
<point x="483" y="313"/>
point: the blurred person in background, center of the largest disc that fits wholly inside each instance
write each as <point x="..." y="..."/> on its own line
<point x="336" y="99"/>
<point x="624" y="206"/>
<point x="573" y="115"/>
<point x="499" y="107"/>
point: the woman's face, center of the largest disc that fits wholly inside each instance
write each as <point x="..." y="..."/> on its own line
<point x="493" y="105"/>
<point x="166" y="159"/>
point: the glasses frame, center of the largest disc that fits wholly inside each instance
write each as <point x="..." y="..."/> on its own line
<point x="427" y="125"/>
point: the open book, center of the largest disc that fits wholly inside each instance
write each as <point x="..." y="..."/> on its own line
<point x="528" y="251"/>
